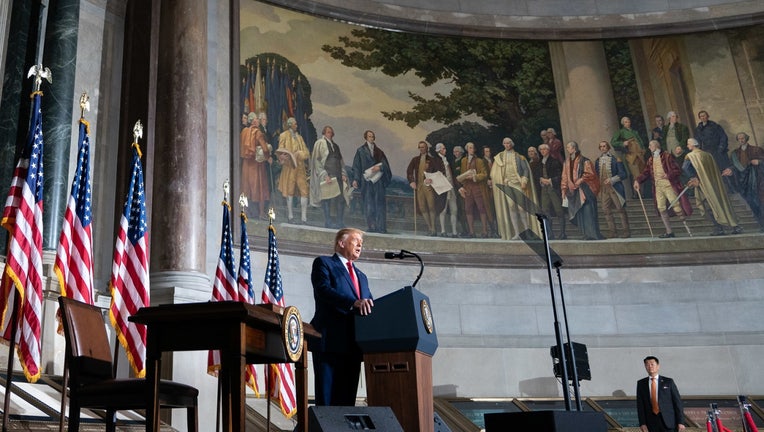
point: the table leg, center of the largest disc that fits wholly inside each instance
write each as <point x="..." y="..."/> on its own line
<point x="301" y="378"/>
<point x="153" y="366"/>
<point x="234" y="396"/>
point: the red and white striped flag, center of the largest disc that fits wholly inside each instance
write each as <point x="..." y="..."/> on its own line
<point x="246" y="292"/>
<point x="74" y="256"/>
<point x="130" y="271"/>
<point x="281" y="376"/>
<point x="23" y="278"/>
<point x="224" y="288"/>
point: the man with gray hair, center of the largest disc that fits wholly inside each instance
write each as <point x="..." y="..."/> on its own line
<point x="627" y="141"/>
<point x="511" y="169"/>
<point x="710" y="193"/>
<point x="675" y="133"/>
<point x="293" y="155"/>
<point x="452" y="207"/>
<point x="428" y="203"/>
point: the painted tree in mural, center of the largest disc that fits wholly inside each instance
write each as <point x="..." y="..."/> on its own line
<point x="508" y="84"/>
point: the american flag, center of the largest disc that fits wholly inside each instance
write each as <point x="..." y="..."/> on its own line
<point x="224" y="288"/>
<point x="130" y="271"/>
<point x="74" y="257"/>
<point x="22" y="217"/>
<point x="281" y="376"/>
<point x="246" y="293"/>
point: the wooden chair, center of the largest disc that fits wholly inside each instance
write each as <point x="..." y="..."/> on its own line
<point x="89" y="372"/>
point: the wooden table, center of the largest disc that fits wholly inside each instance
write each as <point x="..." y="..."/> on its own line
<point x="244" y="334"/>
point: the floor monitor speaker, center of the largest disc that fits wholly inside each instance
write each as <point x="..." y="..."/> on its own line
<point x="351" y="418"/>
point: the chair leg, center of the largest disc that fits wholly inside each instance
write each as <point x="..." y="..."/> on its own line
<point x="111" y="420"/>
<point x="192" y="418"/>
<point x="74" y="416"/>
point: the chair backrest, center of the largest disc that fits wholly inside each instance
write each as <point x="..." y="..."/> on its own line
<point x="88" y="351"/>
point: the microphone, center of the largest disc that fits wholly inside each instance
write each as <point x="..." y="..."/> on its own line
<point x="393" y="255"/>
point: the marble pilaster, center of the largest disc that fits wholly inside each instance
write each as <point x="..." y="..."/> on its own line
<point x="60" y="56"/>
<point x="584" y="93"/>
<point x="15" y="104"/>
<point x="179" y="174"/>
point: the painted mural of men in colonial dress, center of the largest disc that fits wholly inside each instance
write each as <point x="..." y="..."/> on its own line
<point x="429" y="204"/>
<point x="255" y="158"/>
<point x="710" y="193"/>
<point x="293" y="155"/>
<point x="628" y="142"/>
<point x="665" y="174"/>
<point x="372" y="174"/>
<point x="580" y="186"/>
<point x="474" y="189"/>
<point x="512" y="169"/>
<point x="612" y="194"/>
<point x="675" y="134"/>
<point x="328" y="179"/>
<point x="748" y="169"/>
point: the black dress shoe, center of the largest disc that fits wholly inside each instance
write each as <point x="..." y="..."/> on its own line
<point x="737" y="230"/>
<point x="667" y="235"/>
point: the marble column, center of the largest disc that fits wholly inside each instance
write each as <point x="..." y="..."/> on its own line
<point x="60" y="56"/>
<point x="180" y="174"/>
<point x="584" y="93"/>
<point x="15" y="104"/>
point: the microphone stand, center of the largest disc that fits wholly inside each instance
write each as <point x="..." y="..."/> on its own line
<point x="557" y="333"/>
<point x="576" y="390"/>
<point x="404" y="254"/>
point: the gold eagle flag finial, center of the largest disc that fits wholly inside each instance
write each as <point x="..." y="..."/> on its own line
<point x="226" y="190"/>
<point x="84" y="103"/>
<point x="137" y="134"/>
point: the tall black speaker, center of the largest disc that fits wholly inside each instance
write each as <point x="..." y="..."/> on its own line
<point x="546" y="421"/>
<point x="350" y="418"/>
<point x="582" y="361"/>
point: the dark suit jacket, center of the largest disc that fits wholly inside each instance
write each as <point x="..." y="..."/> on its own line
<point x="334" y="295"/>
<point x="669" y="401"/>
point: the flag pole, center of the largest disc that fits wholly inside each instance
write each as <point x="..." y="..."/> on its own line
<point x="9" y="371"/>
<point x="268" y="380"/>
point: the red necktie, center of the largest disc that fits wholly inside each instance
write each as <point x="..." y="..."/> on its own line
<point x="654" y="394"/>
<point x="353" y="279"/>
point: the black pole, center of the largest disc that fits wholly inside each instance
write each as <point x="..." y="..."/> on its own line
<point x="11" y="351"/>
<point x="557" y="333"/>
<point x="576" y="390"/>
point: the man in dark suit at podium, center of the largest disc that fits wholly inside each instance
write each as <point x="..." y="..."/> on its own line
<point x="340" y="291"/>
<point x="659" y="406"/>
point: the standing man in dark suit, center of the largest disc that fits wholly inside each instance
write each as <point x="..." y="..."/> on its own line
<point x="659" y="406"/>
<point x="372" y="175"/>
<point x="341" y="291"/>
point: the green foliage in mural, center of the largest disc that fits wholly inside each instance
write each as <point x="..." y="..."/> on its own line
<point x="508" y="84"/>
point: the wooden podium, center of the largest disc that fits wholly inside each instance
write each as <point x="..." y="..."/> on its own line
<point x="398" y="340"/>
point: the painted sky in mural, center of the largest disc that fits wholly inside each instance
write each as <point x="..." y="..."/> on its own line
<point x="348" y="99"/>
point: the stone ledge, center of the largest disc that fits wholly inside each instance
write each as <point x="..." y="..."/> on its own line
<point x="494" y="253"/>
